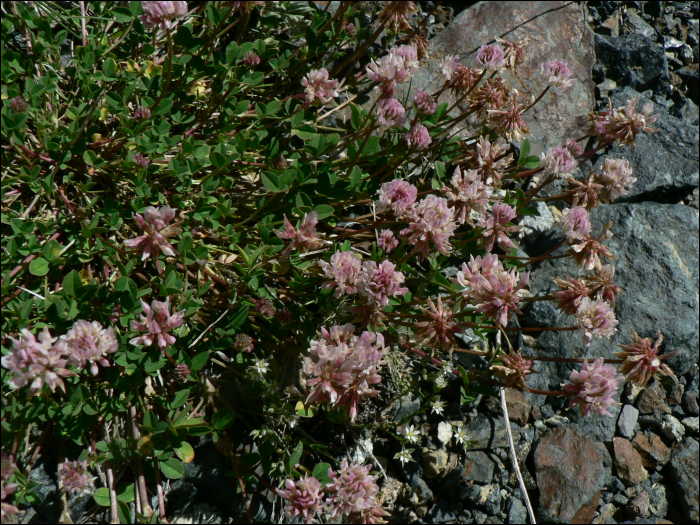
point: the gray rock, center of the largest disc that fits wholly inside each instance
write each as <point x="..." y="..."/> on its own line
<point x="672" y="428"/>
<point x="537" y="226"/>
<point x="691" y="424"/>
<point x="486" y="498"/>
<point x="517" y="513"/>
<point x="657" y="269"/>
<point x="479" y="466"/>
<point x="444" y="432"/>
<point x="658" y="504"/>
<point x="489" y="432"/>
<point x="684" y="473"/>
<point x="406" y="407"/>
<point x="691" y="78"/>
<point x="421" y="489"/>
<point x="627" y="421"/>
<point x="44" y="475"/>
<point x="631" y="60"/>
<point x="570" y="476"/>
<point x="639" y="26"/>
<point x="556" y="421"/>
<point x="553" y="30"/>
<point x="442" y="512"/>
<point x="665" y="163"/>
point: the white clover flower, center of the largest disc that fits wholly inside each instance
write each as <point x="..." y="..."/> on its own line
<point x="438" y="406"/>
<point x="412" y="434"/>
<point x="404" y="456"/>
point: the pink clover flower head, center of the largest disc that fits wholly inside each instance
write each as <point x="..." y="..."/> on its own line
<point x="601" y="284"/>
<point x="352" y="489"/>
<point x="496" y="228"/>
<point x="153" y="222"/>
<point x="243" y="343"/>
<point x="571" y="293"/>
<point x="626" y="123"/>
<point x="36" y="363"/>
<point x="424" y="103"/>
<point x="387" y="241"/>
<point x="642" y="360"/>
<point x="304" y="497"/>
<point x="8" y="469"/>
<point x="513" y="52"/>
<point x="418" y="137"/>
<point x="449" y="66"/>
<point x="397" y="195"/>
<point x="491" y="159"/>
<point x="142" y="161"/>
<point x="142" y="113"/>
<point x="182" y="372"/>
<point x="491" y="95"/>
<point x="585" y="193"/>
<point x="588" y="249"/>
<point x="509" y="121"/>
<point x="265" y="306"/>
<point x="304" y="238"/>
<point x="18" y="104"/>
<point x="558" y="74"/>
<point x="351" y="30"/>
<point x="514" y="369"/>
<point x="492" y="289"/>
<point x="395" y="67"/>
<point x="390" y="113"/>
<point x="395" y="15"/>
<point x="157" y="323"/>
<point x="576" y="222"/>
<point x="614" y="178"/>
<point x="593" y="388"/>
<point x="432" y="221"/>
<point x="595" y="318"/>
<point x="574" y="148"/>
<point x="372" y="515"/>
<point x="342" y="367"/>
<point x="378" y="282"/>
<point x="319" y="89"/>
<point x="162" y="14"/>
<point x="252" y="59"/>
<point x="559" y="161"/>
<point x="74" y="477"/>
<point x="438" y="330"/>
<point x="87" y="343"/>
<point x="409" y="54"/>
<point x="344" y="270"/>
<point x="491" y="56"/>
<point x="468" y="193"/>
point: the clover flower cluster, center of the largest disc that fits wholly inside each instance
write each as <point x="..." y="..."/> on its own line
<point x="514" y="369"/>
<point x="491" y="57"/>
<point x="387" y="241"/>
<point x="431" y="221"/>
<point x="342" y="367"/>
<point x="395" y="15"/>
<point x="424" y="103"/>
<point x="36" y="362"/>
<point x="304" y="237"/>
<point x="88" y="343"/>
<point x="558" y="74"/>
<point x="344" y="270"/>
<point x="418" y="137"/>
<point x="496" y="227"/>
<point x="592" y="389"/>
<point x="468" y="192"/>
<point x="642" y="360"/>
<point x="394" y="68"/>
<point x="613" y="181"/>
<point x="378" y="282"/>
<point x="559" y="161"/>
<point x="397" y="195"/>
<point x="8" y="469"/>
<point x="598" y="285"/>
<point x="491" y="158"/>
<point x="439" y="328"/>
<point x="319" y="88"/>
<point x="492" y="289"/>
<point x="156" y="323"/>
<point x="74" y="478"/>
<point x="595" y="318"/>
<point x="622" y="124"/>
<point x="153" y="222"/>
<point x="162" y="14"/>
<point x="351" y="493"/>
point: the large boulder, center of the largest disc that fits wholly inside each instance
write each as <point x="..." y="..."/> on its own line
<point x="547" y="30"/>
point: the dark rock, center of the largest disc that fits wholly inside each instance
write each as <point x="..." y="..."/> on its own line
<point x="479" y="466"/>
<point x="690" y="78"/>
<point x="627" y="421"/>
<point x="553" y="30"/>
<point x="406" y="407"/>
<point x="672" y="428"/>
<point x="44" y="475"/>
<point x="639" y="505"/>
<point x="595" y="428"/>
<point x="421" y="489"/>
<point x="442" y="512"/>
<point x="652" y="449"/>
<point x="620" y="499"/>
<point x="638" y="25"/>
<point x="658" y="504"/>
<point x="690" y="402"/>
<point x="484" y="497"/>
<point x="632" y="60"/>
<point x="489" y="432"/>
<point x="628" y="462"/>
<point x="653" y="401"/>
<point x="657" y="250"/>
<point x="665" y="163"/>
<point x="684" y="473"/>
<point x="570" y="476"/>
<point x="517" y="513"/>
